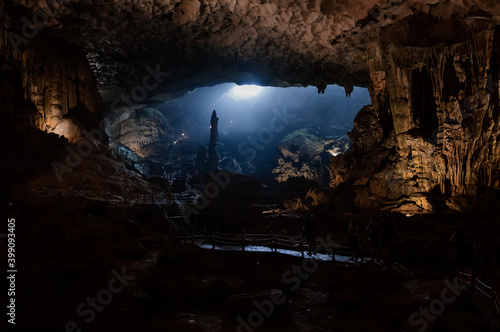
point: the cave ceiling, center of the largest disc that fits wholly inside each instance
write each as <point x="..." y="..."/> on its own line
<point x="206" y="42"/>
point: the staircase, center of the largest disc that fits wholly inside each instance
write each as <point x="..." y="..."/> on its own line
<point x="178" y="216"/>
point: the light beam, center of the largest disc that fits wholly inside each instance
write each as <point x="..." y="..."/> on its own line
<point x="246" y="91"/>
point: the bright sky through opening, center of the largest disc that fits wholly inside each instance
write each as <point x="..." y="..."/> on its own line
<point x="246" y="91"/>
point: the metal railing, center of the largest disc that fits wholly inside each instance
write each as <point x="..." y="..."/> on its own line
<point x="274" y="242"/>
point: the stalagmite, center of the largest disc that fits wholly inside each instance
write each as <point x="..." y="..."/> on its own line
<point x="213" y="155"/>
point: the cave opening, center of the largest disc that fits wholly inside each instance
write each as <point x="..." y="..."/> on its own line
<point x="257" y="125"/>
<point x="423" y="103"/>
<point x="140" y="191"/>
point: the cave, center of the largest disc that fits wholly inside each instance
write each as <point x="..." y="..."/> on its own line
<point x="250" y="165"/>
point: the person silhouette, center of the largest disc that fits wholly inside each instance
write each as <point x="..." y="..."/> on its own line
<point x="465" y="251"/>
<point x="388" y="232"/>
<point x="309" y="232"/>
<point x="353" y="239"/>
<point x="374" y="237"/>
<point x="168" y="194"/>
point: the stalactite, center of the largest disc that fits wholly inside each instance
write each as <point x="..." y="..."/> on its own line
<point x="442" y="114"/>
<point x="56" y="79"/>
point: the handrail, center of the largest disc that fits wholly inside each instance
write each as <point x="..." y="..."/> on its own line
<point x="275" y="241"/>
<point x="496" y="300"/>
<point x="483" y="284"/>
<point x="483" y="292"/>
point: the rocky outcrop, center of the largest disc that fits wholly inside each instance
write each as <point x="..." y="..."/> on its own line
<point x="201" y="42"/>
<point x="145" y="131"/>
<point x="213" y="155"/>
<point x="367" y="132"/>
<point x="304" y="153"/>
<point x="205" y="42"/>
<point x="291" y="164"/>
<point x="435" y="123"/>
<point x="48" y="85"/>
<point x="273" y="42"/>
<point x="432" y="69"/>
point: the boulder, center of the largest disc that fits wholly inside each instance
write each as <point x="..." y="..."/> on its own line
<point x="145" y="131"/>
<point x="304" y="153"/>
<point x="367" y="130"/>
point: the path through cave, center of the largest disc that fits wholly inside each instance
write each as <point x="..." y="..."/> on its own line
<point x="113" y="109"/>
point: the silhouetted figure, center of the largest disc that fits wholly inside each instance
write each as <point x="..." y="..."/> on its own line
<point x="352" y="236"/>
<point x="213" y="155"/>
<point x="374" y="237"/>
<point x="388" y="232"/>
<point x="465" y="251"/>
<point x="309" y="232"/>
<point x="168" y="195"/>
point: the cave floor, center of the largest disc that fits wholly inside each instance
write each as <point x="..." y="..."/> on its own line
<point x="67" y="259"/>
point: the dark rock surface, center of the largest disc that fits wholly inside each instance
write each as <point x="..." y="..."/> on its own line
<point x="278" y="42"/>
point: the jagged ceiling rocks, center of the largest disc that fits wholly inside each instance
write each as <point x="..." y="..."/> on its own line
<point x="202" y="42"/>
<point x="427" y="63"/>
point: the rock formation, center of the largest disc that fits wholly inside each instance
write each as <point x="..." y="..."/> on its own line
<point x="145" y="131"/>
<point x="292" y="164"/>
<point x="429" y="139"/>
<point x="431" y="66"/>
<point x="48" y="85"/>
<point x="434" y="124"/>
<point x="213" y="155"/>
<point x="304" y="153"/>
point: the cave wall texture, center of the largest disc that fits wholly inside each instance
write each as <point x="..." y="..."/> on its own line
<point x="145" y="131"/>
<point x="48" y="85"/>
<point x="434" y="126"/>
<point x="431" y="66"/>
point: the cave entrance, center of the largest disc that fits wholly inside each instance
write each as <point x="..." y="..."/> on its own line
<point x="255" y="121"/>
<point x="423" y="103"/>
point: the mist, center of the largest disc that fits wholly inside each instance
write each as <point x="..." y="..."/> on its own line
<point x="241" y="115"/>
